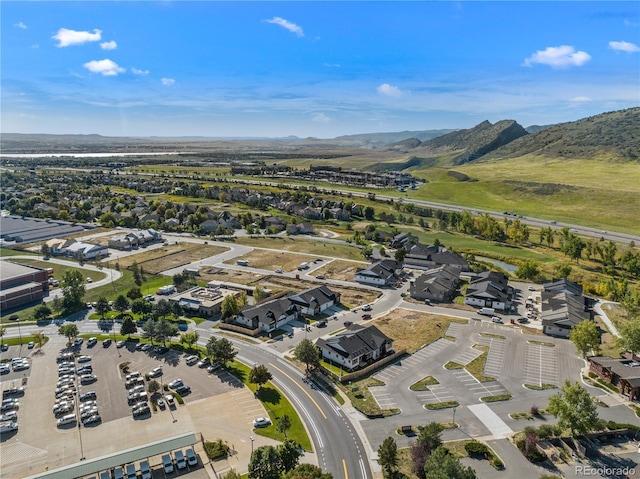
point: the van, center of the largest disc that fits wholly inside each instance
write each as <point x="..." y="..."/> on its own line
<point x="145" y="470"/>
<point x="167" y="463"/>
<point x="180" y="460"/>
<point x="242" y="262"/>
<point x="487" y="311"/>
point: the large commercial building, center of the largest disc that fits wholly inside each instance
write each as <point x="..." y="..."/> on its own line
<point x="21" y="285"/>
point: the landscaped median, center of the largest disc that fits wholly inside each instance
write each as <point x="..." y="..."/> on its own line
<point x="441" y="405"/>
<point x="475" y="367"/>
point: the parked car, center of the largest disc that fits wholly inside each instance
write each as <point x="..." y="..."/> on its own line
<point x="93" y="419"/>
<point x="261" y="422"/>
<point x="106" y="343"/>
<point x="4" y="347"/>
<point x="155" y="372"/>
<point x="88" y="379"/>
<point x="183" y="390"/>
<point x="78" y="341"/>
<point x="366" y="307"/>
<point x="192" y="459"/>
<point x="4" y="369"/>
<point x="145" y="470"/>
<point x="88" y="396"/>
<point x="161" y="404"/>
<point x="30" y="345"/>
<point x="366" y="316"/>
<point x="137" y="389"/>
<point x="8" y="427"/>
<point x="146" y="347"/>
<point x="167" y="464"/>
<point x="191" y="359"/>
<point x="175" y="383"/>
<point x="496" y="319"/>
<point x="84" y="359"/>
<point x="120" y="344"/>
<point x="141" y="411"/>
<point x="92" y="341"/>
<point x="13" y="391"/>
<point x="180" y="460"/>
<point x="9" y="416"/>
<point x="213" y="367"/>
<point x="160" y="349"/>
<point x="204" y="362"/>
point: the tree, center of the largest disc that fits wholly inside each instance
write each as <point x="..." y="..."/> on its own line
<point x="176" y="310"/>
<point x="39" y="338"/>
<point x="307" y="353"/>
<point x="70" y="331"/>
<point x="563" y="270"/>
<point x="630" y="335"/>
<point x="165" y="330"/>
<point x="400" y="254"/>
<point x="369" y="212"/>
<point x="230" y="306"/>
<point x="367" y="251"/>
<point x="430" y="436"/>
<point x="137" y="275"/>
<point x="283" y="424"/>
<point x="3" y="331"/>
<point x="42" y="312"/>
<point x="102" y="306"/>
<point x="153" y="387"/>
<point x="574" y="409"/>
<point x="260" y="375"/>
<point x="221" y="351"/>
<point x="265" y="463"/>
<point x="149" y="329"/>
<point x="388" y="456"/>
<point x="128" y="326"/>
<point x="585" y="337"/>
<point x="442" y="465"/>
<point x="289" y="453"/>
<point x="121" y="304"/>
<point x="134" y="293"/>
<point x="307" y="471"/>
<point x="189" y="338"/>
<point x="162" y="308"/>
<point x="141" y="306"/>
<point x="232" y="474"/>
<point x="45" y="250"/>
<point x="73" y="290"/>
<point x="259" y="293"/>
<point x="528" y="270"/>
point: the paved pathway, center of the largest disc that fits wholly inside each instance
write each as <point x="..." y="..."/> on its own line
<point x="491" y="420"/>
<point x="605" y="319"/>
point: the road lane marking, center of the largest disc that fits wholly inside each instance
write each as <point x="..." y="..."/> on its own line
<point x="344" y="466"/>
<point x="305" y="412"/>
<point x="301" y="389"/>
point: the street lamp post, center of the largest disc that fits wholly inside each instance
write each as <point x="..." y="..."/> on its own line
<point x="454" y="415"/>
<point x="252" y="439"/>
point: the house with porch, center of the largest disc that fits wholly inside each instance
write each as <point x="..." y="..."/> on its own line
<point x="315" y="300"/>
<point x="437" y="284"/>
<point x="489" y="289"/>
<point x="268" y="315"/>
<point x="623" y="373"/>
<point x="380" y="273"/>
<point x="355" y="348"/>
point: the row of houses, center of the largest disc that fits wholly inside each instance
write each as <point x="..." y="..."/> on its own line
<point x="134" y="239"/>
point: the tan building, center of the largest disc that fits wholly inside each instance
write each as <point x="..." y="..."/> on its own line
<point x="202" y="301"/>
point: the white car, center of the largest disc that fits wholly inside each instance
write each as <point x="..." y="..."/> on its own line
<point x="191" y="359"/>
<point x="176" y="383"/>
<point x="496" y="319"/>
<point x="132" y="375"/>
<point x="261" y="422"/>
<point x="170" y="400"/>
<point x="157" y="371"/>
<point x="120" y="344"/>
<point x="84" y="359"/>
<point x="137" y="389"/>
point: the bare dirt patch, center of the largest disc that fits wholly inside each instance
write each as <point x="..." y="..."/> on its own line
<point x="340" y="269"/>
<point x="309" y="246"/>
<point x="171" y="256"/>
<point x="268" y="259"/>
<point x="229" y="275"/>
<point x="412" y="330"/>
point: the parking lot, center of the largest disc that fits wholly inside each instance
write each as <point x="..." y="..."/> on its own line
<point x="39" y="443"/>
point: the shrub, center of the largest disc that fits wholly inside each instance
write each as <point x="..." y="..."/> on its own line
<point x="216" y="449"/>
<point x="475" y="448"/>
<point x="534" y="410"/>
<point x="496" y="463"/>
<point x="547" y="430"/>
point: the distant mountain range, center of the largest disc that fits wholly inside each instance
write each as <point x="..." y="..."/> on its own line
<point x="612" y="135"/>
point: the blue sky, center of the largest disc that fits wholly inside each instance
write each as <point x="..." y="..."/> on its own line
<point x="321" y="69"/>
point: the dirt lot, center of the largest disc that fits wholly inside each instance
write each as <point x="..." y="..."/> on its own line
<point x="306" y="246"/>
<point x="170" y="256"/>
<point x="267" y="259"/>
<point x="412" y="330"/>
<point x="340" y="269"/>
<point x="241" y="277"/>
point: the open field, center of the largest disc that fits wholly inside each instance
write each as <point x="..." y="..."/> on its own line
<point x="411" y="330"/>
<point x="229" y="275"/>
<point x="268" y="259"/>
<point x="340" y="269"/>
<point x="170" y="256"/>
<point x="307" y="246"/>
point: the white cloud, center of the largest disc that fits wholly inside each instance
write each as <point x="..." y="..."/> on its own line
<point x="20" y="25"/>
<point x="135" y="71"/>
<point x="623" y="46"/>
<point x="389" y="90"/>
<point x="68" y="37"/>
<point x="112" y="45"/>
<point x="286" y="24"/>
<point x="580" y="99"/>
<point x="321" y="118"/>
<point x="167" y="81"/>
<point x="558" y="57"/>
<point x="105" y="67"/>
<point x="629" y="23"/>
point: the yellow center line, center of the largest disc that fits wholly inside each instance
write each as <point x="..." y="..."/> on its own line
<point x="301" y="389"/>
<point x="344" y="466"/>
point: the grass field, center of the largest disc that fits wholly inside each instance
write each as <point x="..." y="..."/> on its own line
<point x="411" y="330"/>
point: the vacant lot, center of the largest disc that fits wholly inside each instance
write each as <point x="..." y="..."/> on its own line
<point x="412" y="330"/>
<point x="341" y="269"/>
<point x="229" y="275"/>
<point x="268" y="259"/>
<point x="170" y="256"/>
<point x="310" y="246"/>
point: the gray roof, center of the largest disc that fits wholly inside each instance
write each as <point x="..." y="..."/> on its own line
<point x="355" y="341"/>
<point x="562" y="309"/>
<point x="489" y="285"/>
<point x="320" y="295"/>
<point x="381" y="269"/>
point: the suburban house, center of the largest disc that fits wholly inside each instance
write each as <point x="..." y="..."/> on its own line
<point x="623" y="373"/>
<point x="430" y="256"/>
<point x="268" y="315"/>
<point x="304" y="228"/>
<point x="355" y="348"/>
<point x="134" y="239"/>
<point x="315" y="300"/>
<point x="400" y="240"/>
<point x="563" y="306"/>
<point x="380" y="273"/>
<point x="437" y="284"/>
<point x="489" y="289"/>
<point x="274" y="313"/>
<point x="57" y="245"/>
